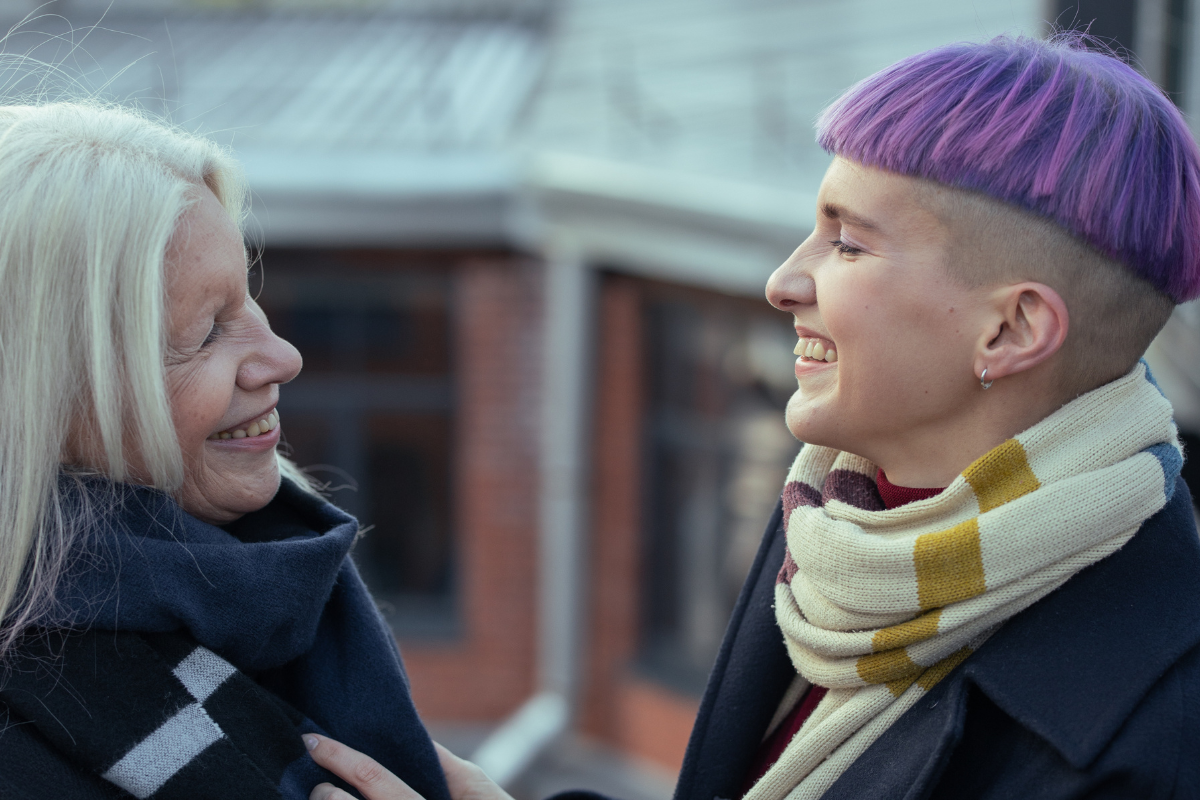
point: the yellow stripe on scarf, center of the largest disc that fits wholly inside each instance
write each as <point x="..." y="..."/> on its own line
<point x="1001" y="475"/>
<point x="949" y="565"/>
<point x="906" y="633"/>
<point x="899" y="672"/>
<point x="930" y="677"/>
<point x="949" y="569"/>
<point x="888" y="667"/>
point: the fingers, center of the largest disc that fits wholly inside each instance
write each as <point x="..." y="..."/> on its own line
<point x="459" y="775"/>
<point x="360" y="771"/>
<point x="327" y="791"/>
<point x="467" y="781"/>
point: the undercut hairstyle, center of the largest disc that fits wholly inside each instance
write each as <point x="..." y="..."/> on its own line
<point x="90" y="196"/>
<point x="1115" y="313"/>
<point x="1054" y="132"/>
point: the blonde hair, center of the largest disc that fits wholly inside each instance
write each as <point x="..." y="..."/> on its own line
<point x="90" y="195"/>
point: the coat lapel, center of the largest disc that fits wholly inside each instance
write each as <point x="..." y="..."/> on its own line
<point x="1051" y="668"/>
<point x="751" y="674"/>
<point x="1071" y="668"/>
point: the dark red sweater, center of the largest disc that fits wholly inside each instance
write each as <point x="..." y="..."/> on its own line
<point x="774" y="745"/>
<point x="894" y="496"/>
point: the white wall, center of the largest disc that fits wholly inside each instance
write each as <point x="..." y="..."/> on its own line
<point x="731" y="87"/>
<point x="674" y="138"/>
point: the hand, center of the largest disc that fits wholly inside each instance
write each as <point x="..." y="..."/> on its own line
<point x="360" y="771"/>
<point x="466" y="781"/>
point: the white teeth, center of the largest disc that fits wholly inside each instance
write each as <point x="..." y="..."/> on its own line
<point x="265" y="425"/>
<point x="816" y="349"/>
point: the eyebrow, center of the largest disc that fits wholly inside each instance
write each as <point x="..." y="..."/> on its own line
<point x="834" y="211"/>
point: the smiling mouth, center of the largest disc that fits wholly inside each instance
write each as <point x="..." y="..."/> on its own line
<point x="810" y="349"/>
<point x="263" y="426"/>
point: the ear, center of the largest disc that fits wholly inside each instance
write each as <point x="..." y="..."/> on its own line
<point x="1030" y="326"/>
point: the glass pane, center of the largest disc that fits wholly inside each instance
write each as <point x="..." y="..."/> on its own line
<point x="718" y="452"/>
<point x="370" y="415"/>
<point x="409" y="549"/>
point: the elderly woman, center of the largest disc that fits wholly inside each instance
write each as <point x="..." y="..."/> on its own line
<point x="177" y="604"/>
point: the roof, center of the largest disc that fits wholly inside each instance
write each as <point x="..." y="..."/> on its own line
<point x="375" y="110"/>
<point x="322" y="81"/>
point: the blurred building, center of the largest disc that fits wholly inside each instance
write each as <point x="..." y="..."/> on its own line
<point x="521" y="245"/>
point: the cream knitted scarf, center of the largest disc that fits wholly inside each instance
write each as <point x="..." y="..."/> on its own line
<point x="879" y="605"/>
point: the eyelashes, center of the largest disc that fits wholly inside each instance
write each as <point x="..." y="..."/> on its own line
<point x="845" y="249"/>
<point x="213" y="333"/>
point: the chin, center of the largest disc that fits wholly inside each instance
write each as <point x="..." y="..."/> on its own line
<point x="261" y="492"/>
<point x="222" y="498"/>
<point x="803" y="420"/>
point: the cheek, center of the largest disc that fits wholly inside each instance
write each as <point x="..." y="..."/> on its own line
<point x="857" y="315"/>
<point x="199" y="399"/>
<point x="894" y="344"/>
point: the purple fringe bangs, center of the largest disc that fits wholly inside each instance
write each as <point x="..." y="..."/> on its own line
<point x="1071" y="134"/>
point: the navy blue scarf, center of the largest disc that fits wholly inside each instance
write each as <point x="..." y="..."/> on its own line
<point x="276" y="595"/>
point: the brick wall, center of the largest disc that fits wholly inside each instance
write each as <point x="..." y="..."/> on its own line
<point x="614" y="542"/>
<point x="639" y="717"/>
<point x="490" y="669"/>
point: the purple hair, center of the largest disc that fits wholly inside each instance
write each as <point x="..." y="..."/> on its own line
<point x="1068" y="133"/>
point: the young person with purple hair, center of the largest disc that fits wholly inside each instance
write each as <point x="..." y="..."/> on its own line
<point x="981" y="581"/>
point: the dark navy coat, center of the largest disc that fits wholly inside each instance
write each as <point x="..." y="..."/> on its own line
<point x="1094" y="691"/>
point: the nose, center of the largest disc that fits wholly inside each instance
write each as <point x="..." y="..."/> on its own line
<point x="791" y="285"/>
<point x="272" y="360"/>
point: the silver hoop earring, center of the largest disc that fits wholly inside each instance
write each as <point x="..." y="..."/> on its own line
<point x="983" y="381"/>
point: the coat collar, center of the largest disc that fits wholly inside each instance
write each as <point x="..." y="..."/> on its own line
<point x="1071" y="668"/>
<point x="1075" y="665"/>
<point x="751" y="673"/>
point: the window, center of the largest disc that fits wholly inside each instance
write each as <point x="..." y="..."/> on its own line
<point x="1152" y="34"/>
<point x="1111" y="21"/>
<point x="717" y="450"/>
<point x="371" y="413"/>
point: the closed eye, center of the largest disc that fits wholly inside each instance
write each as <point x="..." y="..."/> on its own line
<point x="213" y="333"/>
<point x="845" y="249"/>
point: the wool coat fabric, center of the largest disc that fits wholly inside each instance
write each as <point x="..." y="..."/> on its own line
<point x="1092" y="692"/>
<point x="192" y="657"/>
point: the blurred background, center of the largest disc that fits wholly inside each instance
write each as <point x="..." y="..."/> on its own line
<point x="521" y="245"/>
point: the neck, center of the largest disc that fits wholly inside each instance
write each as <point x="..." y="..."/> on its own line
<point x="933" y="453"/>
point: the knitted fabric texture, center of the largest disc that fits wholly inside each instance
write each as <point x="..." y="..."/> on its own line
<point x="879" y="605"/>
<point x="160" y="716"/>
